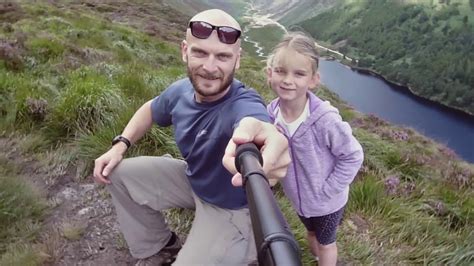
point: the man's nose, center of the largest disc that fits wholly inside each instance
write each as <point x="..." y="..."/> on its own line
<point x="210" y="64"/>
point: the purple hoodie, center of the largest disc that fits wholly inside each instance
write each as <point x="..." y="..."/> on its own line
<point x="325" y="159"/>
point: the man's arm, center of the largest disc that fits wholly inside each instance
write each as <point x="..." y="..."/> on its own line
<point x="274" y="149"/>
<point x="138" y="125"/>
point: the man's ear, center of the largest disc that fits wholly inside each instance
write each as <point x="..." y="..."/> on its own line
<point x="184" y="48"/>
<point x="237" y="63"/>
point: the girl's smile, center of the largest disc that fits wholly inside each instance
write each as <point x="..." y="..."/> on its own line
<point x="291" y="75"/>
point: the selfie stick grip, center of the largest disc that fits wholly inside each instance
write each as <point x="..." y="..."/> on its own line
<point x="274" y="241"/>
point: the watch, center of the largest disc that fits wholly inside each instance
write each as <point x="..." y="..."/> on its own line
<point x="123" y="139"/>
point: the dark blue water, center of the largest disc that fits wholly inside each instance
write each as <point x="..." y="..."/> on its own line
<point x="372" y="95"/>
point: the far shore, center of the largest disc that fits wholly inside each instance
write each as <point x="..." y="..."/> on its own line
<point x="259" y="21"/>
<point x="402" y="87"/>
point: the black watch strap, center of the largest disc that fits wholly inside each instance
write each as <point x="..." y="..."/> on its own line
<point x="123" y="139"/>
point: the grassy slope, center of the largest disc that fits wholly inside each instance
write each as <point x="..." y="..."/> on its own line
<point x="21" y="213"/>
<point x="305" y="10"/>
<point x="190" y="7"/>
<point x="425" y="44"/>
<point x="73" y="79"/>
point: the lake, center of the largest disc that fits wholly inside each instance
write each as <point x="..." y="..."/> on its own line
<point x="372" y="95"/>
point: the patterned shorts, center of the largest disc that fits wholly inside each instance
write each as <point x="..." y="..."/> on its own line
<point x="325" y="226"/>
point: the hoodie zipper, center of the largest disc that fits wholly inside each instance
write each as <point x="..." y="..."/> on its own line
<point x="290" y="140"/>
<point x="296" y="177"/>
<point x="291" y="148"/>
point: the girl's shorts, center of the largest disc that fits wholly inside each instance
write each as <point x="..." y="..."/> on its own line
<point x="325" y="226"/>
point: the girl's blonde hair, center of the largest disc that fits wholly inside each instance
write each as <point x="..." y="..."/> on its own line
<point x="299" y="42"/>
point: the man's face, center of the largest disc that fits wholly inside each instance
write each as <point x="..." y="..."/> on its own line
<point x="211" y="65"/>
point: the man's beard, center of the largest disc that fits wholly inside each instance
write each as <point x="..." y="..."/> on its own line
<point x="226" y="81"/>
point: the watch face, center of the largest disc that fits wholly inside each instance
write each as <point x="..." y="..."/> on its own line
<point x="115" y="140"/>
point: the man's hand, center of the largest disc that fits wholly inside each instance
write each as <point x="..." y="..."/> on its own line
<point x="104" y="165"/>
<point x="274" y="149"/>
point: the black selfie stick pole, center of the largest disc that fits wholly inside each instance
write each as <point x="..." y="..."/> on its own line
<point x="273" y="238"/>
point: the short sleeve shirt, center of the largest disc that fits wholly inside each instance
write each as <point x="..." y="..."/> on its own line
<point x="202" y="131"/>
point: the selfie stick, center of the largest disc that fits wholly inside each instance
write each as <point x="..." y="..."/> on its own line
<point x="274" y="241"/>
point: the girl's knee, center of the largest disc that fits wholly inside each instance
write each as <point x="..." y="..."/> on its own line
<point x="327" y="247"/>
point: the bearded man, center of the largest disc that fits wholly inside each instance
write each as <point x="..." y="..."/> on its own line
<point x="211" y="113"/>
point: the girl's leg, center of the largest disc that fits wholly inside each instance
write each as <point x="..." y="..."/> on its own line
<point x="313" y="243"/>
<point x="325" y="228"/>
<point x="327" y="254"/>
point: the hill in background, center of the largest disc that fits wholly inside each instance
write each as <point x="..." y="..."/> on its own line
<point x="425" y="45"/>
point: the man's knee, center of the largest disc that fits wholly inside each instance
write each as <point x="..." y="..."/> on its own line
<point x="125" y="168"/>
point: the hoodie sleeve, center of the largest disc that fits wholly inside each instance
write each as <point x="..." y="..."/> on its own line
<point x="271" y="109"/>
<point x="347" y="151"/>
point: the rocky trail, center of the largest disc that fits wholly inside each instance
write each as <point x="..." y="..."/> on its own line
<point x="80" y="226"/>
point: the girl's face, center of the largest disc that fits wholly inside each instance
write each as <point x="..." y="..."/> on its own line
<point x="291" y="75"/>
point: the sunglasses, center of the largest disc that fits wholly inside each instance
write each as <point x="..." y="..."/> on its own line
<point x="202" y="30"/>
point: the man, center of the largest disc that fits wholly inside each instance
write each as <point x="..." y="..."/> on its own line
<point x="211" y="113"/>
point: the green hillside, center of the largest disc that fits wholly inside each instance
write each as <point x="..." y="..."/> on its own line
<point x="73" y="73"/>
<point x="191" y="7"/>
<point x="425" y="44"/>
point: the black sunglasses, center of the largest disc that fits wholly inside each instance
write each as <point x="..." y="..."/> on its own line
<point x="203" y="30"/>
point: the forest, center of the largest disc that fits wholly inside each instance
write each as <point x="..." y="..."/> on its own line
<point x="427" y="46"/>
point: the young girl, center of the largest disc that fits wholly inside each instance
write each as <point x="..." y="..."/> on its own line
<point x="325" y="155"/>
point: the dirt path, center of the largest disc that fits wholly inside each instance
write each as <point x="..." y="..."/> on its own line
<point x="81" y="227"/>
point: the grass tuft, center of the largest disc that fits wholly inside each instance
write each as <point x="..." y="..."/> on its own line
<point x="46" y="48"/>
<point x="21" y="209"/>
<point x="73" y="231"/>
<point x="88" y="101"/>
<point x="22" y="254"/>
<point x="368" y="196"/>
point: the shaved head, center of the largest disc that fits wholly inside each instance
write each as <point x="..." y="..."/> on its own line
<point x="217" y="17"/>
<point x="210" y="60"/>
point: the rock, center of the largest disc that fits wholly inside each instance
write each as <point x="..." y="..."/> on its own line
<point x="84" y="211"/>
<point x="68" y="193"/>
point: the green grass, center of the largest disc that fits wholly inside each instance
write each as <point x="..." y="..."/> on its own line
<point x="22" y="254"/>
<point x="21" y="211"/>
<point x="267" y="36"/>
<point x="88" y="101"/>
